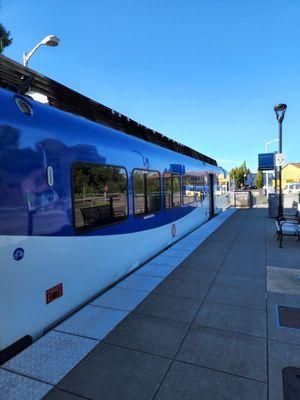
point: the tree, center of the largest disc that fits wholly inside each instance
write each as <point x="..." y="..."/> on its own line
<point x="5" y="38"/>
<point x="259" y="181"/>
<point x="238" y="175"/>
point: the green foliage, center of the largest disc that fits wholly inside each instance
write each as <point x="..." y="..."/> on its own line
<point x="92" y="179"/>
<point x="237" y="175"/>
<point x="259" y="181"/>
<point x="5" y="38"/>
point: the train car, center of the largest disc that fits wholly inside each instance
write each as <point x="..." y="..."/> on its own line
<point x="86" y="196"/>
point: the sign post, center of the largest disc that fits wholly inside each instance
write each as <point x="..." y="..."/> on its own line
<point x="266" y="161"/>
<point x="280" y="159"/>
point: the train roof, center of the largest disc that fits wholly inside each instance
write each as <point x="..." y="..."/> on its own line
<point x="20" y="79"/>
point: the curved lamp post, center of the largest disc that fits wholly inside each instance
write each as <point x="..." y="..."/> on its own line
<point x="50" y="40"/>
<point x="280" y="110"/>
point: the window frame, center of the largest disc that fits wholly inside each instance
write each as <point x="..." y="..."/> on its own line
<point x="194" y="186"/>
<point x="91" y="229"/>
<point x="200" y="199"/>
<point x="145" y="193"/>
<point x="172" y="186"/>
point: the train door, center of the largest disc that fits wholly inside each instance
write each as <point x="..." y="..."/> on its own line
<point x="211" y="195"/>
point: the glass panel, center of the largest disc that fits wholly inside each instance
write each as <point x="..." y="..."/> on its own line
<point x="188" y="189"/>
<point x="200" y="188"/>
<point x="100" y="195"/>
<point x="176" y="191"/>
<point x="172" y="190"/>
<point x="139" y="192"/>
<point x="146" y="189"/>
<point x="168" y="190"/>
<point x="153" y="191"/>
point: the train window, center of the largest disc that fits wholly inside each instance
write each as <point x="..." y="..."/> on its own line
<point x="188" y="189"/>
<point x="99" y="195"/>
<point x="146" y="190"/>
<point x="200" y="188"/>
<point x="172" y="190"/>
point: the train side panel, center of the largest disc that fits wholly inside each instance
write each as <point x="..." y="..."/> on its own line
<point x="39" y="247"/>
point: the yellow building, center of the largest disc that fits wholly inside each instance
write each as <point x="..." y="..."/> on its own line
<point x="290" y="173"/>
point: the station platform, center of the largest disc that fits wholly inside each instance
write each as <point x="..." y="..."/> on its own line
<point x="208" y="319"/>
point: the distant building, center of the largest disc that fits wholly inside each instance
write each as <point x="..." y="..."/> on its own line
<point x="290" y="173"/>
<point x="251" y="179"/>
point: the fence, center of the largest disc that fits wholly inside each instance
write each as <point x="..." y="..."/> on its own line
<point x="256" y="198"/>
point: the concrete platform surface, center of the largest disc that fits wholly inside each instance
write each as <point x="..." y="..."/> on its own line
<point x="199" y="322"/>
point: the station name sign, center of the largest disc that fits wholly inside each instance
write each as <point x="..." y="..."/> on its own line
<point x="266" y="161"/>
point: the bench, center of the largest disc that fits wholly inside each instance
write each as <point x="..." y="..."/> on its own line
<point x="103" y="214"/>
<point x="287" y="228"/>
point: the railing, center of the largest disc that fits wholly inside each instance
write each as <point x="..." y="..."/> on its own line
<point x="256" y="198"/>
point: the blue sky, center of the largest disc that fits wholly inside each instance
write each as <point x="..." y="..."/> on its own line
<point x="204" y="73"/>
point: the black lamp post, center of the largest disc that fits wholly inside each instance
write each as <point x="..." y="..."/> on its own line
<point x="280" y="111"/>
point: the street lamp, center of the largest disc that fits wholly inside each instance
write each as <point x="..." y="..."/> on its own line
<point x="280" y="110"/>
<point x="50" y="40"/>
<point x="269" y="142"/>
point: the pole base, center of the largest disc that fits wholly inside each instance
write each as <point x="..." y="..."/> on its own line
<point x="280" y="212"/>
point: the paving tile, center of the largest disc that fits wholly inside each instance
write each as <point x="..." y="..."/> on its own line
<point x="281" y="355"/>
<point x="193" y="275"/>
<point x="211" y="243"/>
<point x="190" y="382"/>
<point x="120" y="298"/>
<point x="243" y="271"/>
<point x="169" y="307"/>
<point x="232" y="318"/>
<point x="189" y="240"/>
<point x="275" y="331"/>
<point x="237" y="296"/>
<point x="152" y="335"/>
<point x="191" y="290"/>
<point x="198" y="261"/>
<point x="225" y="351"/>
<point x="198" y="238"/>
<point x="51" y="357"/>
<point x="283" y="280"/>
<point x="241" y="281"/>
<point x="179" y="253"/>
<point x="140" y="282"/>
<point x="249" y="261"/>
<point x="92" y="322"/>
<point x="167" y="261"/>
<point x="155" y="270"/>
<point x="56" y="394"/>
<point x="17" y="387"/>
<point x="185" y="246"/>
<point x="111" y="373"/>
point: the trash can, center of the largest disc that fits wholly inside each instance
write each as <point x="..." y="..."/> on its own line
<point x="273" y="201"/>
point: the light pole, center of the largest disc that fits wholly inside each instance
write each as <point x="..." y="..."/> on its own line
<point x="280" y="110"/>
<point x="267" y="172"/>
<point x="269" y="142"/>
<point x="50" y="40"/>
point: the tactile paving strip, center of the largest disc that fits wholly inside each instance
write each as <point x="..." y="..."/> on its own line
<point x="51" y="357"/>
<point x="16" y="387"/>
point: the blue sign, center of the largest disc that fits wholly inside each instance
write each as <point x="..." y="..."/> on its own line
<point x="266" y="161"/>
<point x="18" y="254"/>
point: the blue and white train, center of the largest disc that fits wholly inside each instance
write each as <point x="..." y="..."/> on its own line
<point x="83" y="203"/>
